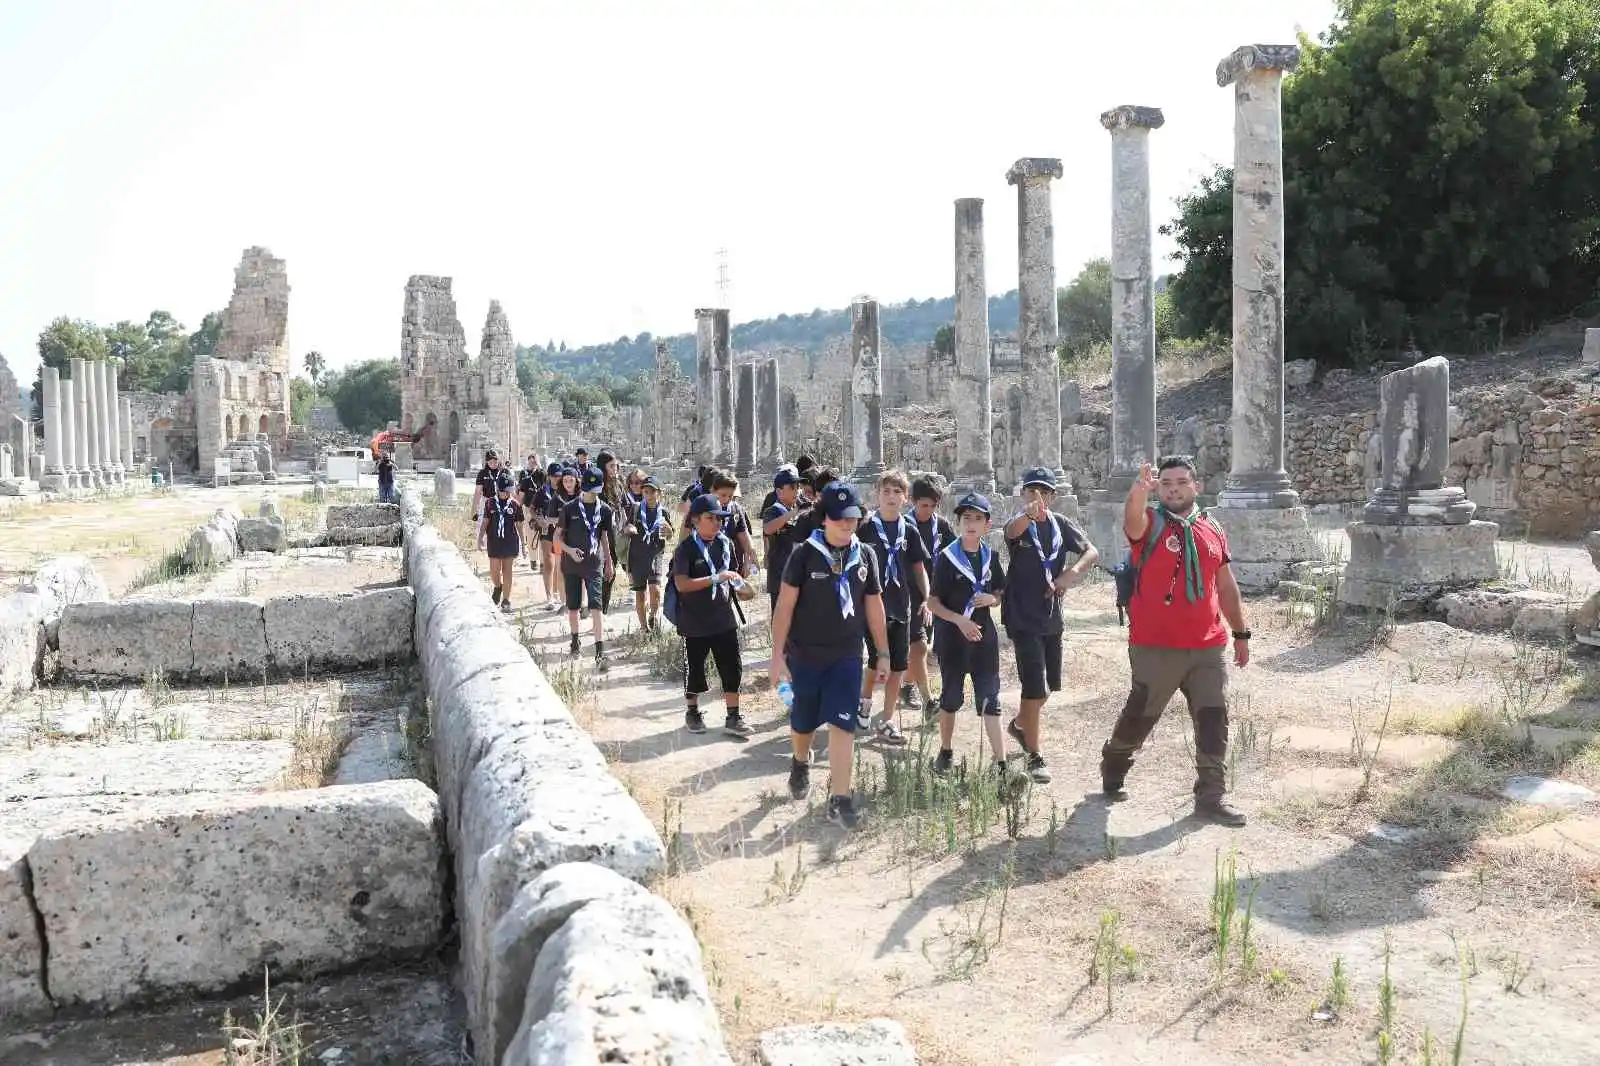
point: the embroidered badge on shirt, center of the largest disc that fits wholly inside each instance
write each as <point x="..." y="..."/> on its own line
<point x="1172" y="544"/>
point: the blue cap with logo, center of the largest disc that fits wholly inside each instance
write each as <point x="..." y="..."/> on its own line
<point x="593" y="480"/>
<point x="839" y="500"/>
<point x="651" y="482"/>
<point x="786" y="475"/>
<point x="1038" y="477"/>
<point x="554" y="470"/>
<point x="502" y="482"/>
<point x="974" y="501"/>
<point x="706" y="504"/>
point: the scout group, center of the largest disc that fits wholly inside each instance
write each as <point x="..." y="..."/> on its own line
<point x="891" y="578"/>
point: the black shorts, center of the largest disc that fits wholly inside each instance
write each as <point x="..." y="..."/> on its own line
<point x="577" y="585"/>
<point x="899" y="646"/>
<point x="1038" y="663"/>
<point x="724" y="650"/>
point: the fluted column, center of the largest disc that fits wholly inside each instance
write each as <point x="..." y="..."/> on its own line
<point x="113" y="437"/>
<point x="1038" y="330"/>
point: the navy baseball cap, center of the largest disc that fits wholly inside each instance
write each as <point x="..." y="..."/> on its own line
<point x="650" y="482"/>
<point x="974" y="501"/>
<point x="839" y="500"/>
<point x="583" y="452"/>
<point x="593" y="480"/>
<point x="706" y="504"/>
<point x="1040" y="477"/>
<point x="502" y="483"/>
<point x="554" y="470"/>
<point x="490" y="454"/>
<point x="786" y="475"/>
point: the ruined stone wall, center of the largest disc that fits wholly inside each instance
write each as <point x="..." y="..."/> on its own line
<point x="9" y="404"/>
<point x="255" y="325"/>
<point x="450" y="398"/>
<point x="164" y="429"/>
<point x="242" y="389"/>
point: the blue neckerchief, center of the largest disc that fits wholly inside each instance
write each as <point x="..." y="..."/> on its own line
<point x="654" y="523"/>
<point x="930" y="539"/>
<point x="632" y="500"/>
<point x="502" y="511"/>
<point x="891" y="550"/>
<point x="717" y="589"/>
<point x="732" y="519"/>
<point x="841" y="581"/>
<point x="958" y="559"/>
<point x="1047" y="561"/>
<point x="591" y="523"/>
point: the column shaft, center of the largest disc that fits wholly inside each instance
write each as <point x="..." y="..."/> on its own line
<point x="705" y="397"/>
<point x="722" y="367"/>
<point x="971" y="395"/>
<point x="865" y="388"/>
<point x="745" y="421"/>
<point x="50" y="382"/>
<point x="769" y="414"/>
<point x="125" y="431"/>
<point x="69" y="432"/>
<point x="1038" y="331"/>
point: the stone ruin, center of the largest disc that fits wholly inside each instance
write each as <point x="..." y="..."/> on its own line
<point x="454" y="406"/>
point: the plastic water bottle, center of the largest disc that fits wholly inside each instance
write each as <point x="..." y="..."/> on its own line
<point x="786" y="694"/>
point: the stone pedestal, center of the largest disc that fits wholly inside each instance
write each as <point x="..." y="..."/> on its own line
<point x="971" y="392"/>
<point x="403" y="459"/>
<point x="1265" y="543"/>
<point x="864" y="390"/>
<point x="1102" y="521"/>
<point x="444" y="487"/>
<point x="1394" y="564"/>
<point x="1038" y="328"/>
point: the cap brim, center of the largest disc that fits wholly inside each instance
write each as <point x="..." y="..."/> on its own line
<point x="849" y="512"/>
<point x="1039" y="485"/>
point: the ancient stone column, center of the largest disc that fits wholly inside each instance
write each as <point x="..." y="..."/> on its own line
<point x="722" y="370"/>
<point x="970" y="395"/>
<point x="125" y="431"/>
<point x="865" y="389"/>
<point x="705" y="404"/>
<point x="1133" y="309"/>
<point x="100" y="448"/>
<point x="83" y="425"/>
<point x="68" y="422"/>
<point x="113" y="409"/>
<point x="1258" y="477"/>
<point x="744" y="420"/>
<point x="54" y="473"/>
<point x="1038" y="330"/>
<point x="769" y="430"/>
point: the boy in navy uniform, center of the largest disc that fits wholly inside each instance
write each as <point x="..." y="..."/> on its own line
<point x="735" y="521"/>
<point x="936" y="533"/>
<point x="585" y="537"/>
<point x="1037" y="543"/>
<point x="903" y="564"/>
<point x="500" y="534"/>
<point x="703" y="571"/>
<point x="778" y="520"/>
<point x="829" y="602"/>
<point x="650" y="530"/>
<point x="967" y="580"/>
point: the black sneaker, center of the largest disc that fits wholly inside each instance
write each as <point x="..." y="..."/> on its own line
<point x="842" y="812"/>
<point x="495" y="595"/>
<point x="1007" y="786"/>
<point x="799" y="779"/>
<point x="930" y="712"/>
<point x="1219" y="812"/>
<point x="944" y="762"/>
<point x="1037" y="769"/>
<point x="694" y="721"/>
<point x="1112" y="793"/>
<point x="572" y="645"/>
<point x="735" y="726"/>
<point x="910" y="698"/>
<point x="1014" y="731"/>
<point x="602" y="665"/>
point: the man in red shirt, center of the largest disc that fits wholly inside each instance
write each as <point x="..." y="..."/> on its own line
<point x="1177" y="636"/>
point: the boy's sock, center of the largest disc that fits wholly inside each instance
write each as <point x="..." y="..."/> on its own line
<point x="495" y="595"/>
<point x="599" y="649"/>
<point x="574" y="646"/>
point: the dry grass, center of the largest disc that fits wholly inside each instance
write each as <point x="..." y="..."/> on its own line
<point x="319" y="742"/>
<point x="270" y="1041"/>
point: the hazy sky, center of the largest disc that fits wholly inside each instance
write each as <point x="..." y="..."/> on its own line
<point x="580" y="162"/>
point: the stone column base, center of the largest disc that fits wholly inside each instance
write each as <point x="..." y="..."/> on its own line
<point x="1397" y="563"/>
<point x="58" y="483"/>
<point x="1102" y="520"/>
<point x="1266" y="543"/>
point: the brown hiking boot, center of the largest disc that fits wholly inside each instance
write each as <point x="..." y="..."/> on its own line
<point x="1219" y="812"/>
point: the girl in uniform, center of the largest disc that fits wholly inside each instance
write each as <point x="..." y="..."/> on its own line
<point x="500" y="534"/>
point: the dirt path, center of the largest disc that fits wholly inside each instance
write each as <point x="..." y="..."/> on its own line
<point x="980" y="940"/>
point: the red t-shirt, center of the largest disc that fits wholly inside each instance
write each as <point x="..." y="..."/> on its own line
<point x="1152" y="619"/>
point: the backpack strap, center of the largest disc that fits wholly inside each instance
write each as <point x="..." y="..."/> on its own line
<point x="1158" y="525"/>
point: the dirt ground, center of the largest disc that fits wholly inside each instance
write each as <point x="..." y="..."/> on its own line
<point x="1385" y="890"/>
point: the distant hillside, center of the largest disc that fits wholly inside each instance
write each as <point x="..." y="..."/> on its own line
<point x="904" y="325"/>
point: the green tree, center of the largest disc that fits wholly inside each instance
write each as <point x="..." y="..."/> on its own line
<point x="302" y="396"/>
<point x="315" y="365"/>
<point x="66" y="339"/>
<point x="1084" y="308"/>
<point x="1441" y="178"/>
<point x="366" y="394"/>
<point x="944" y="340"/>
<point x="203" y="341"/>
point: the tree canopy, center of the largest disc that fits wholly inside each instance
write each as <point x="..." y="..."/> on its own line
<point x="366" y="394"/>
<point x="157" y="354"/>
<point x="1441" y="181"/>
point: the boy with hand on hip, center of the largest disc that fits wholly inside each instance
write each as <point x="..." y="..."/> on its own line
<point x="650" y="530"/>
<point x="1037" y="542"/>
<point x="830" y="600"/>
<point x="704" y="575"/>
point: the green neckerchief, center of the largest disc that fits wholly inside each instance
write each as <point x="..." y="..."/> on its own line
<point x="1194" y="585"/>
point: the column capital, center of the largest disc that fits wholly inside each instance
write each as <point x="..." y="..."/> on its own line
<point x="970" y="201"/>
<point x="1033" y="167"/>
<point x="1249" y="57"/>
<point x="1132" y="116"/>
<point x="708" y="312"/>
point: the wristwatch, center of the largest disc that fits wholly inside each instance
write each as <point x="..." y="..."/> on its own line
<point x="1241" y="634"/>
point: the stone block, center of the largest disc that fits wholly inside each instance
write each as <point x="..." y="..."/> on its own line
<point x="228" y="639"/>
<point x="209" y="546"/>
<point x="1298" y="373"/>
<point x="22" y="642"/>
<point x="1591" y="541"/>
<point x="1490" y="609"/>
<point x="339" y="632"/>
<point x="879" y="1042"/>
<point x="1591" y="346"/>
<point x="1266" y="543"/>
<point x="62" y="580"/>
<point x="22" y="992"/>
<point x="444" y="487"/>
<point x="126" y="641"/>
<point x="355" y="536"/>
<point x="263" y="535"/>
<point x="538" y="911"/>
<point x="620" y="981"/>
<point x="186" y="898"/>
<point x="1544" y="621"/>
<point x="1404" y="564"/>
<point x="362" y="515"/>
